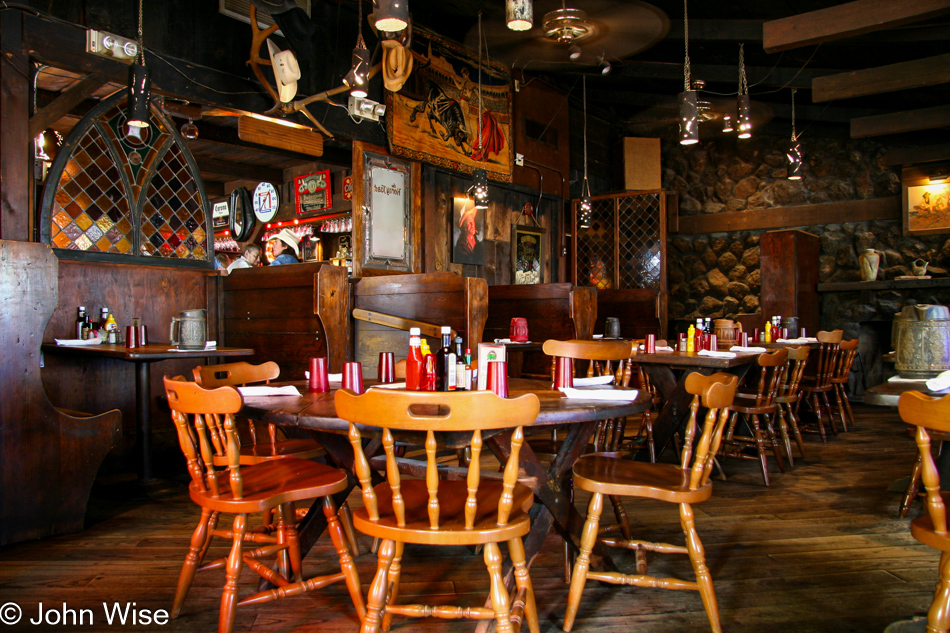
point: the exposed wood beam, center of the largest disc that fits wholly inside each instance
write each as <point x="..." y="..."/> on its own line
<point x="929" y="71"/>
<point x="897" y="122"/>
<point x="237" y="171"/>
<point x="914" y="155"/>
<point x="787" y="217"/>
<point x="66" y="101"/>
<point x="214" y="189"/>
<point x="846" y="20"/>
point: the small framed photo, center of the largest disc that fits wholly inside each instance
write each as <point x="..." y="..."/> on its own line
<point x="468" y="232"/>
<point x="220" y="213"/>
<point x="312" y="193"/>
<point x="926" y="193"/>
<point x="527" y="254"/>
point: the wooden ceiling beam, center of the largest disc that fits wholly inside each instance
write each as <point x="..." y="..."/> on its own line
<point x="846" y="20"/>
<point x="236" y="171"/>
<point x="898" y="122"/>
<point x="69" y="99"/>
<point x="918" y="73"/>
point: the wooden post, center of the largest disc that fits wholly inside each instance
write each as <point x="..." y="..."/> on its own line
<point x="16" y="220"/>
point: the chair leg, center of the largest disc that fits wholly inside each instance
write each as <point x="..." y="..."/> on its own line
<point x="235" y="563"/>
<point x="776" y="450"/>
<point x="831" y="416"/>
<point x="760" y="447"/>
<point x="816" y="408"/>
<point x="376" y="600"/>
<point x="522" y="579"/>
<point x="568" y="485"/>
<point x="793" y="421"/>
<point x="199" y="545"/>
<point x="910" y="494"/>
<point x="697" y="556"/>
<point x="847" y="405"/>
<point x="621" y="513"/>
<point x="346" y="520"/>
<point x="288" y="564"/>
<point x="340" y="542"/>
<point x="395" y="570"/>
<point x="783" y="430"/>
<point x="938" y="618"/>
<point x="499" y="594"/>
<point x="582" y="564"/>
<point x="840" y="398"/>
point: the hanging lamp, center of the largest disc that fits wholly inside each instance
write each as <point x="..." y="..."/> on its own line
<point x="689" y="113"/>
<point x="794" y="153"/>
<point x="744" y="105"/>
<point x="391" y="16"/>
<point x="357" y="79"/>
<point x="520" y="14"/>
<point x="479" y="188"/>
<point x="586" y="205"/>
<point x="140" y="91"/>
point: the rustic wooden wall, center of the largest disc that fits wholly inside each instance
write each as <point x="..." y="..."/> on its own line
<point x="154" y="293"/>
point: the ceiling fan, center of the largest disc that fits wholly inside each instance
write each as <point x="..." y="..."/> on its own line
<point x="576" y="35"/>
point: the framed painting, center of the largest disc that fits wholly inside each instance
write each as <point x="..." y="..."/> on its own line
<point x="527" y="254"/>
<point x="435" y="117"/>
<point x="926" y="194"/>
<point x="468" y="232"/>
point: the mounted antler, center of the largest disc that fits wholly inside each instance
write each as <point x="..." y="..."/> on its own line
<point x="258" y="37"/>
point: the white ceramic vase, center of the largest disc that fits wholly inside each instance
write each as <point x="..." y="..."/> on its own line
<point x="869" y="261"/>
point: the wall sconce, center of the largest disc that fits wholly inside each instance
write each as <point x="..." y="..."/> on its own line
<point x="938" y="177"/>
<point x="520" y="14"/>
<point x="392" y="16"/>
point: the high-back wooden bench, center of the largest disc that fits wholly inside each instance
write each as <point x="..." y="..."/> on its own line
<point x="637" y="308"/>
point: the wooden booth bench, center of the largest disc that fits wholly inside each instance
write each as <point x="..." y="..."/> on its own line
<point x="638" y="309"/>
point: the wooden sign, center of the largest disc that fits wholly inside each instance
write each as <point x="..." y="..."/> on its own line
<point x="347" y="187"/>
<point x="313" y="192"/>
<point x="280" y="133"/>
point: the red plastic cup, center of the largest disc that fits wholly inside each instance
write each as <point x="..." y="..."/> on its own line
<point x="131" y="337"/>
<point x="386" y="369"/>
<point x="498" y="378"/>
<point x="563" y="372"/>
<point x="353" y="377"/>
<point x="650" y="345"/>
<point x="143" y="336"/>
<point x="319" y="375"/>
<point x="518" y="333"/>
<point x="755" y="335"/>
<point x="744" y="339"/>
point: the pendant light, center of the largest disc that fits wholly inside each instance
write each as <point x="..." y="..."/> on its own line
<point x="586" y="205"/>
<point x="479" y="188"/>
<point x="140" y="91"/>
<point x="744" y="105"/>
<point x="689" y="114"/>
<point x="357" y="79"/>
<point x="391" y="16"/>
<point x="520" y="14"/>
<point x="794" y="153"/>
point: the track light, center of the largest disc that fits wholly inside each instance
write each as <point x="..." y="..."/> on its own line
<point x="139" y="94"/>
<point x="605" y="66"/>
<point x="520" y="14"/>
<point x="689" y="118"/>
<point x="391" y="15"/>
<point x="479" y="188"/>
<point x="574" y="52"/>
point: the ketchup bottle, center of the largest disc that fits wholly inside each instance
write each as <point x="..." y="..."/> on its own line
<point x="414" y="362"/>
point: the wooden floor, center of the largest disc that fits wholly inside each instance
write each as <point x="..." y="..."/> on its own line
<point x="821" y="550"/>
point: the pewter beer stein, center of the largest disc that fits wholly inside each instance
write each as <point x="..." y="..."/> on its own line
<point x="192" y="328"/>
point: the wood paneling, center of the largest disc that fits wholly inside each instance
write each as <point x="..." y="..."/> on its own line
<point x="789" y="269"/>
<point x="542" y="134"/>
<point x="785" y="217"/>
<point x="903" y="76"/>
<point x="15" y="143"/>
<point x="846" y="20"/>
<point x="897" y="122"/>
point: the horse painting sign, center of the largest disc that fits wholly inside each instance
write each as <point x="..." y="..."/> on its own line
<point x="437" y="119"/>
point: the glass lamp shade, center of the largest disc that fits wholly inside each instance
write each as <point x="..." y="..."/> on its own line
<point x="479" y="188"/>
<point x="140" y="91"/>
<point x="745" y="117"/>
<point x="689" y="118"/>
<point x="520" y="14"/>
<point x="356" y="79"/>
<point x="391" y="15"/>
<point x="795" y="160"/>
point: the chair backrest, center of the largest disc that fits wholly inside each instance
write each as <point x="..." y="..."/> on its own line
<point x="794" y="369"/>
<point x="234" y="374"/>
<point x="847" y="352"/>
<point x="204" y="419"/>
<point x="716" y="393"/>
<point x="771" y="368"/>
<point x="927" y="413"/>
<point x="827" y="356"/>
<point x="619" y="351"/>
<point x="460" y="413"/>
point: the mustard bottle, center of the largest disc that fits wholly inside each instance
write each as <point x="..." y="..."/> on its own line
<point x="691" y="339"/>
<point x="768" y="332"/>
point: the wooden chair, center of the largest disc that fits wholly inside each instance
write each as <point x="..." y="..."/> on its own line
<point x="204" y="420"/>
<point x="758" y="410"/>
<point x="847" y="352"/>
<point x="788" y="397"/>
<point x="931" y="414"/>
<point x="914" y="489"/>
<point x="815" y="387"/>
<point x="239" y="374"/>
<point x="684" y="484"/>
<point x="476" y="510"/>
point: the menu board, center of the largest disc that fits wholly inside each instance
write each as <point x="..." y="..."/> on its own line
<point x="313" y="192"/>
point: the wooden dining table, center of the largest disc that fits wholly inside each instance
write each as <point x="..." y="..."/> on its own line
<point x="316" y="413"/>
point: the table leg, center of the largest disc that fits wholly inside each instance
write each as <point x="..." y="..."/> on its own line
<point x="143" y="413"/>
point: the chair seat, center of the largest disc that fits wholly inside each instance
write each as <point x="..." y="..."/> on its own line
<point x="612" y="476"/>
<point x="749" y="406"/>
<point x="922" y="529"/>
<point x="259" y="453"/>
<point x="270" y="484"/>
<point x="809" y="383"/>
<point x="452" y="496"/>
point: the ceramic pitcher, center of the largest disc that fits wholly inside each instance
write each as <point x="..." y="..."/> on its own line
<point x="192" y="329"/>
<point x="727" y="332"/>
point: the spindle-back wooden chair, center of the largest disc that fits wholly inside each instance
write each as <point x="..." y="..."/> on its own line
<point x="685" y="484"/>
<point x="847" y="352"/>
<point x="204" y="420"/>
<point x="788" y="397"/>
<point x="479" y="510"/>
<point x="816" y="386"/>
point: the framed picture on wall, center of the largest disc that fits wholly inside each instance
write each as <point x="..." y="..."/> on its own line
<point x="527" y="254"/>
<point x="468" y="232"/>
<point x="926" y="200"/>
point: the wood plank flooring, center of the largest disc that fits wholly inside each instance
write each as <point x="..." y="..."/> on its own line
<point x="821" y="550"/>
